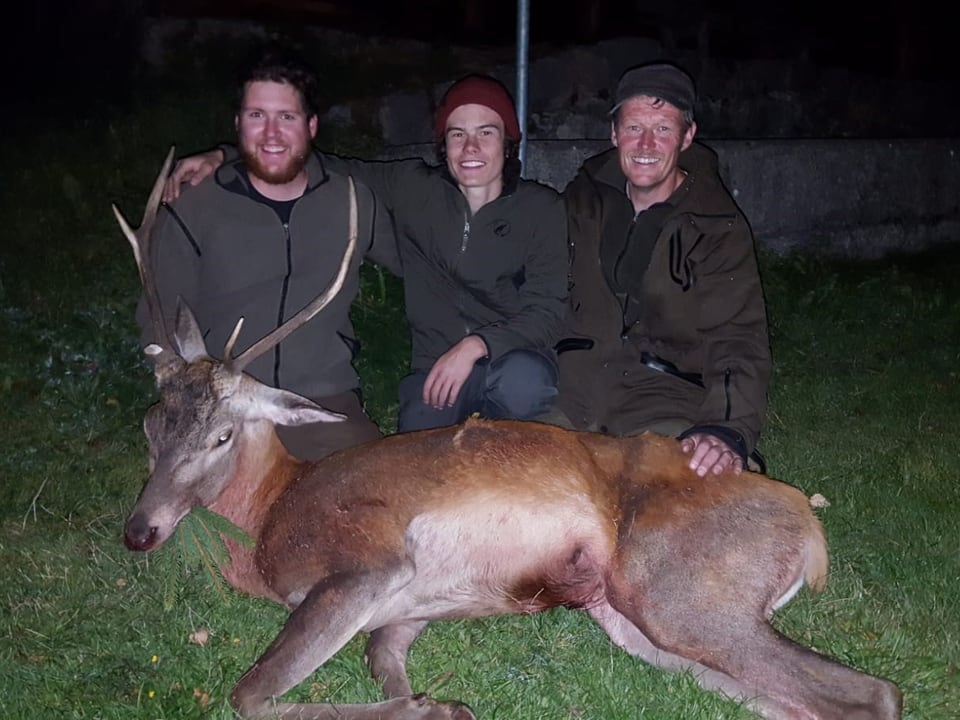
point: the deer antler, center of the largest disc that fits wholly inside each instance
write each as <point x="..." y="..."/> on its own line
<point x="140" y="242"/>
<point x="304" y="315"/>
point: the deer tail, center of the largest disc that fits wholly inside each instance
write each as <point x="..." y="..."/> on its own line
<point x="818" y="562"/>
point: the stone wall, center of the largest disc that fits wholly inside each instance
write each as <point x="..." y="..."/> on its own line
<point x="837" y="198"/>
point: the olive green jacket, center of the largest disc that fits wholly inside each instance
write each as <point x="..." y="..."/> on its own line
<point x="698" y="305"/>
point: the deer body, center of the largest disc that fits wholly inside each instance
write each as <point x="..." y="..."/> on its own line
<point x="490" y="517"/>
<point x="521" y="515"/>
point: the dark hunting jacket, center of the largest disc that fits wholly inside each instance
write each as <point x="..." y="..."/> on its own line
<point x="683" y="294"/>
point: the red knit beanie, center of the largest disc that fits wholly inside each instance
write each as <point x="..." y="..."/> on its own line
<point x="479" y="90"/>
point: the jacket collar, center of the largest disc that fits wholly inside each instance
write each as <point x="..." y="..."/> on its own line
<point x="232" y="175"/>
<point x="701" y="193"/>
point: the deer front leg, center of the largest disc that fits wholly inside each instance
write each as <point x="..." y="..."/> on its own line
<point x="333" y="612"/>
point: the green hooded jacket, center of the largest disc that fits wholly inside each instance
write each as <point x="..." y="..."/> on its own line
<point x="693" y="302"/>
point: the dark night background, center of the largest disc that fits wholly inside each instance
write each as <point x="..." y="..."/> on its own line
<point x="63" y="58"/>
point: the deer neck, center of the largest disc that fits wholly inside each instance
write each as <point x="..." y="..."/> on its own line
<point x="264" y="468"/>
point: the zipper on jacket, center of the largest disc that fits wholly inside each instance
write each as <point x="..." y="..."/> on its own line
<point x="615" y="273"/>
<point x="464" y="241"/>
<point x="624" y="302"/>
<point x="726" y="391"/>
<point x="284" y="288"/>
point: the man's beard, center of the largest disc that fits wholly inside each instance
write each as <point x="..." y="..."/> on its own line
<point x="274" y="177"/>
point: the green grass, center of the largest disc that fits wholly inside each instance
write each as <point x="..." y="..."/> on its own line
<point x="864" y="409"/>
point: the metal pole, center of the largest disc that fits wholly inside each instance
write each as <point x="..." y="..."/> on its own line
<point x="523" y="44"/>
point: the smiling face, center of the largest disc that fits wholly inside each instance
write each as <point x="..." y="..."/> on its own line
<point x="474" y="141"/>
<point x="649" y="135"/>
<point x="274" y="134"/>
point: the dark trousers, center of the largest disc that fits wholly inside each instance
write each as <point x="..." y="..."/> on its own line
<point x="521" y="384"/>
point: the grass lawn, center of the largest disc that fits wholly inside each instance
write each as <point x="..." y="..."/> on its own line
<point x="864" y="409"/>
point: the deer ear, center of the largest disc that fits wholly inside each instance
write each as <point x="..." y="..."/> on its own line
<point x="187" y="336"/>
<point x="283" y="407"/>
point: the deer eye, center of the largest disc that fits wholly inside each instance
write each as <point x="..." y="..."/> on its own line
<point x="224" y="437"/>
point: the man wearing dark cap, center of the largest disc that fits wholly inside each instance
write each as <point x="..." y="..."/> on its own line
<point x="668" y="316"/>
<point x="484" y="261"/>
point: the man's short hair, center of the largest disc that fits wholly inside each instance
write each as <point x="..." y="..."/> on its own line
<point x="279" y="63"/>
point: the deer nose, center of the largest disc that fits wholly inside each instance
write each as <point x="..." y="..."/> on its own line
<point x="138" y="535"/>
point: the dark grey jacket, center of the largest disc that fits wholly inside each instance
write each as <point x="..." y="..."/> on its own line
<point x="500" y="274"/>
<point x="229" y="256"/>
<point x="698" y="305"/>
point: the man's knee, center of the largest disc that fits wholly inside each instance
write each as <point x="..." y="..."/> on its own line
<point x="523" y="385"/>
<point x="414" y="414"/>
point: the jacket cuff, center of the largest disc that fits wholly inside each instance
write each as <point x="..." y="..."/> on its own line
<point x="728" y="435"/>
<point x="486" y="344"/>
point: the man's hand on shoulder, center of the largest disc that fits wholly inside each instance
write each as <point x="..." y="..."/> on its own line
<point x="710" y="455"/>
<point x="451" y="370"/>
<point x="191" y="170"/>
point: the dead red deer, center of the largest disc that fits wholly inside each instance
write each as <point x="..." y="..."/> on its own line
<point x="486" y="518"/>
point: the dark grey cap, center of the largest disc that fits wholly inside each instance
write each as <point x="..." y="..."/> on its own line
<point x="661" y="80"/>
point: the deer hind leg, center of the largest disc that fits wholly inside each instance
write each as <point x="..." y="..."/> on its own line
<point x="386" y="655"/>
<point x="792" y="671"/>
<point x="716" y="617"/>
<point x="333" y="612"/>
<point x="626" y="635"/>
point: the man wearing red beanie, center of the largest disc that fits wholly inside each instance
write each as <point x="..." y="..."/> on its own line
<point x="486" y="299"/>
<point x="484" y="256"/>
<point x="478" y="90"/>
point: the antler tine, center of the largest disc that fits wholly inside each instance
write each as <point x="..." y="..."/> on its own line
<point x="310" y="310"/>
<point x="140" y="243"/>
<point x="232" y="340"/>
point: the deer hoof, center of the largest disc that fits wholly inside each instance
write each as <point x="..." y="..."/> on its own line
<point x="459" y="711"/>
<point x="434" y="710"/>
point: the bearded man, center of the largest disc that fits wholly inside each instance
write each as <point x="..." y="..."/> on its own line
<point x="261" y="237"/>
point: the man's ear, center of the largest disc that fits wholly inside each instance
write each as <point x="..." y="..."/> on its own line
<point x="236" y="122"/>
<point x="312" y="125"/>
<point x="688" y="136"/>
<point x="613" y="132"/>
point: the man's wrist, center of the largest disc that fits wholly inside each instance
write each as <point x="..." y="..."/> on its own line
<point x="479" y="345"/>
